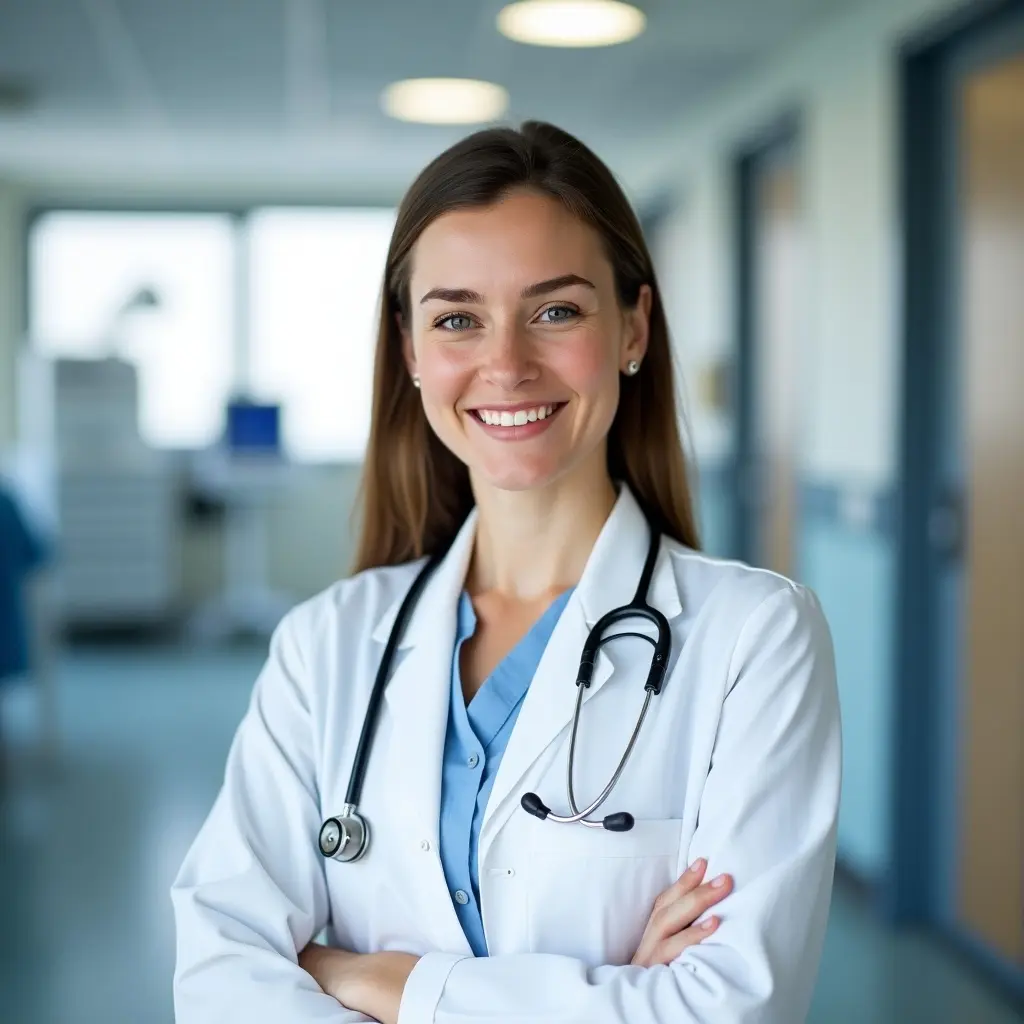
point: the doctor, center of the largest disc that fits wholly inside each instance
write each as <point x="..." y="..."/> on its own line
<point x="524" y="432"/>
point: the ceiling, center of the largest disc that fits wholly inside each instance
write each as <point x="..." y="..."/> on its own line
<point x="285" y="93"/>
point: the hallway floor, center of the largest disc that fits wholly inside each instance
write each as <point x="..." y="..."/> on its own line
<point x="88" y="848"/>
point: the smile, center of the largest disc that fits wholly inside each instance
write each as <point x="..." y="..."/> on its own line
<point x="519" y="418"/>
<point x="517" y="424"/>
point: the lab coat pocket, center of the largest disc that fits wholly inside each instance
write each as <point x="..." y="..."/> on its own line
<point x="590" y="892"/>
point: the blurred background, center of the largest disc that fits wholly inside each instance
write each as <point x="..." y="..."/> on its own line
<point x="195" y="203"/>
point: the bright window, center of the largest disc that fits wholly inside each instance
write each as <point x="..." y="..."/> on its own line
<point x="313" y="278"/>
<point x="85" y="270"/>
<point x="314" y="293"/>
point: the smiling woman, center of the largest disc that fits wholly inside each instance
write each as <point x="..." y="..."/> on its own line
<point x="517" y="278"/>
<point x="503" y="346"/>
<point x="525" y="476"/>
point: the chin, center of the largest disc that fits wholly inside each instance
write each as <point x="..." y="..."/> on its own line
<point x="517" y="475"/>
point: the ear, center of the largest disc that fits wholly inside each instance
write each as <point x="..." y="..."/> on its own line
<point x="637" y="327"/>
<point x="408" y="354"/>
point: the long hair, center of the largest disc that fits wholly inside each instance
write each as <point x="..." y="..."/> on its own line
<point x="414" y="493"/>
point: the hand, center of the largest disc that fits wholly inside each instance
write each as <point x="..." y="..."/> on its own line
<point x="369" y="983"/>
<point x="671" y="927"/>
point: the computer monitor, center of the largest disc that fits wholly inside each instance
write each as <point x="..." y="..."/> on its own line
<point x="253" y="428"/>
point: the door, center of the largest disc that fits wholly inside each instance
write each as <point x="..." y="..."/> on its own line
<point x="990" y="900"/>
<point x="773" y="299"/>
<point x="958" y="759"/>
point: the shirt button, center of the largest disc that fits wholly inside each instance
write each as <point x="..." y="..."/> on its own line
<point x="425" y="845"/>
<point x="461" y="898"/>
<point x="473" y="761"/>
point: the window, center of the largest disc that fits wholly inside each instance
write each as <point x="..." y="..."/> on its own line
<point x="314" y="302"/>
<point x="155" y="289"/>
<point x="161" y="290"/>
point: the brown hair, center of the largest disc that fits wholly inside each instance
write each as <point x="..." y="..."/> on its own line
<point x="415" y="494"/>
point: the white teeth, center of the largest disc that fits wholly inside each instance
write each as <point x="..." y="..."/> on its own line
<point x="520" y="418"/>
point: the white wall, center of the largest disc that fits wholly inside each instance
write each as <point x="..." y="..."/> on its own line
<point x="843" y="80"/>
<point x="693" y="254"/>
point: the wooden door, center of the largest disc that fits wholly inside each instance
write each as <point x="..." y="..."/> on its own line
<point x="991" y="272"/>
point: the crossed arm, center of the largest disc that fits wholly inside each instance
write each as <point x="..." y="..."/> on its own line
<point x="373" y="983"/>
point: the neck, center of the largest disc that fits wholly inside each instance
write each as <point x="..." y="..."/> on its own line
<point x="532" y="545"/>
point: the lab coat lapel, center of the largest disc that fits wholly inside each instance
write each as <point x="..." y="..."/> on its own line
<point x="609" y="581"/>
<point x="416" y="699"/>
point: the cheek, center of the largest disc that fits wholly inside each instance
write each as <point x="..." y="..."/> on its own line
<point x="444" y="371"/>
<point x="446" y="375"/>
<point x="587" y="366"/>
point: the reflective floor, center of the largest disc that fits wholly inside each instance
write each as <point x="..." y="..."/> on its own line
<point x="89" y="845"/>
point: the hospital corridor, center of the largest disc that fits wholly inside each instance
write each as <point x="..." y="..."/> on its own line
<point x="196" y="207"/>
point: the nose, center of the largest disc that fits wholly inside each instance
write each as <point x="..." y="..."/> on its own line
<point x="508" y="359"/>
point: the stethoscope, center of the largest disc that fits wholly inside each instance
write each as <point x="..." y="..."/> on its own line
<point x="346" y="837"/>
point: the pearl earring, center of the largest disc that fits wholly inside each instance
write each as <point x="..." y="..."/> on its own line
<point x="632" y="367"/>
<point x="416" y="380"/>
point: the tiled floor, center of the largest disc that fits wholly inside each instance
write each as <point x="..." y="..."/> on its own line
<point x="89" y="847"/>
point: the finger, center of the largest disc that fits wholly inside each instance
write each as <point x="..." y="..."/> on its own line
<point x="673" y="917"/>
<point x="672" y="947"/>
<point x="687" y="882"/>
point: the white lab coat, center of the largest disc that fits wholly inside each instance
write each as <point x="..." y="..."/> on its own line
<point x="738" y="761"/>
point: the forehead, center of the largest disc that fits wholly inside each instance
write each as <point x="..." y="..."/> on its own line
<point x="524" y="238"/>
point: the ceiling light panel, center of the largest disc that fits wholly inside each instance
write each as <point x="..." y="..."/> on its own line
<point x="445" y="101"/>
<point x="571" y="23"/>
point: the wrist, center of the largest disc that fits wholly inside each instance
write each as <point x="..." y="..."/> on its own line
<point x="328" y="966"/>
<point x="375" y="984"/>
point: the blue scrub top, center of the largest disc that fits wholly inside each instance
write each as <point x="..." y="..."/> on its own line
<point x="475" y="741"/>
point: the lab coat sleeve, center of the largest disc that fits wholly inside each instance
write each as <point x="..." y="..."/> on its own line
<point x="767" y="816"/>
<point x="252" y="890"/>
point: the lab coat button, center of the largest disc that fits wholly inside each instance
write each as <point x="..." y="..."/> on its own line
<point x="473" y="761"/>
<point x="461" y="898"/>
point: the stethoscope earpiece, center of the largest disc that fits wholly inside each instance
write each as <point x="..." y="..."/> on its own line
<point x="620" y="821"/>
<point x="532" y="804"/>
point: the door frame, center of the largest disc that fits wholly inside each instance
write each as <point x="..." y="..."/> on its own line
<point x="930" y="501"/>
<point x="778" y="136"/>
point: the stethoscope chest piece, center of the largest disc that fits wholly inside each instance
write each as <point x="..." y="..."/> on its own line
<point x="345" y="837"/>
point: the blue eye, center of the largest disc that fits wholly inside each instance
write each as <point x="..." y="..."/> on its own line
<point x="559" y="314"/>
<point x="454" y="322"/>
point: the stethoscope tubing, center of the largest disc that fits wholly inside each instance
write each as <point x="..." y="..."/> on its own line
<point x="582" y="816"/>
<point x="347" y="837"/>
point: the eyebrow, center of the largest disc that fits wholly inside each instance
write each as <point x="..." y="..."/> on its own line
<point x="530" y="292"/>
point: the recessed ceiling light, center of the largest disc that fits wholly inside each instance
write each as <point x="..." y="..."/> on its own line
<point x="571" y="22"/>
<point x="445" y="101"/>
